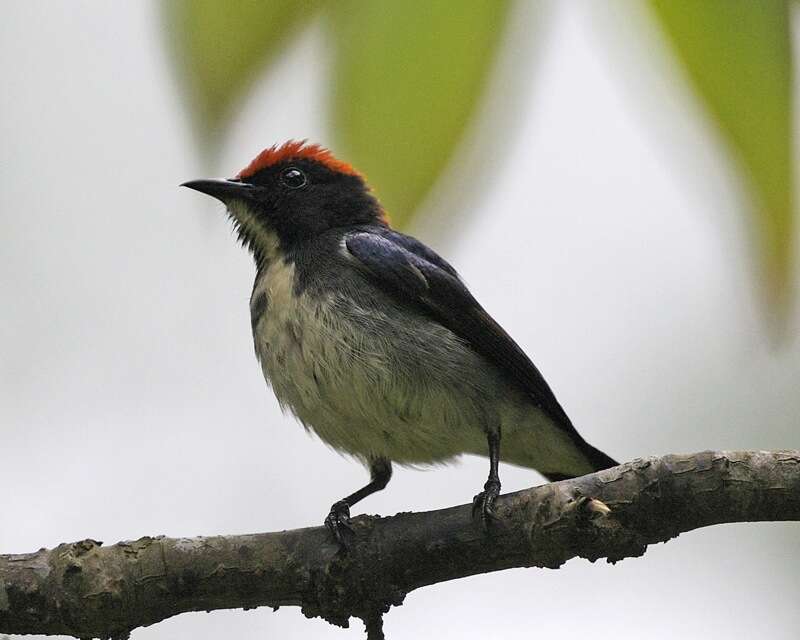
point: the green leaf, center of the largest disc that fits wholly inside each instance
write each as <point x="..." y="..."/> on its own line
<point x="407" y="78"/>
<point x="221" y="46"/>
<point x="738" y="55"/>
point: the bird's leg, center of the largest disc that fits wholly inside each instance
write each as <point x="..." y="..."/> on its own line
<point x="483" y="503"/>
<point x="338" y="519"/>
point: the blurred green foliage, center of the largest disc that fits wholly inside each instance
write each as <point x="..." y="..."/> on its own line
<point x="738" y="55"/>
<point x="407" y="77"/>
<point x="221" y="47"/>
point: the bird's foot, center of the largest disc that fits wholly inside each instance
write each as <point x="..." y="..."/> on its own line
<point x="483" y="503"/>
<point x="338" y="522"/>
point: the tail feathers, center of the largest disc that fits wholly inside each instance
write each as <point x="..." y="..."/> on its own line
<point x="596" y="458"/>
<point x="599" y="459"/>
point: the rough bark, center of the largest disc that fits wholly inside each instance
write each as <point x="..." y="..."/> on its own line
<point x="87" y="590"/>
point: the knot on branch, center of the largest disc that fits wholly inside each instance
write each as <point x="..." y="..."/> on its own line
<point x="563" y="522"/>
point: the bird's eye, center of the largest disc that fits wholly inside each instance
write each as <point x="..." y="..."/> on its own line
<point x="293" y="178"/>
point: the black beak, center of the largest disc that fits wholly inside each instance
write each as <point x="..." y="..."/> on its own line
<point x="224" y="190"/>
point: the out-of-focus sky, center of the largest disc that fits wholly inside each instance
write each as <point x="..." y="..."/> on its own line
<point x="605" y="232"/>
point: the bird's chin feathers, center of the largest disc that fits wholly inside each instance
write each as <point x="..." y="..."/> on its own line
<point x="252" y="233"/>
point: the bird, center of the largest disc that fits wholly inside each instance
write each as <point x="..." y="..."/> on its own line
<point x="374" y="342"/>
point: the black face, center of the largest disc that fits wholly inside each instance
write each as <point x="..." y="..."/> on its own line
<point x="302" y="198"/>
<point x="296" y="200"/>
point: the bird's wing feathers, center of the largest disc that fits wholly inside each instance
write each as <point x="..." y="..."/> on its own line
<point x="417" y="277"/>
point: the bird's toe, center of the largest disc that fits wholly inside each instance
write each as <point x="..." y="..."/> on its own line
<point x="483" y="503"/>
<point x="338" y="522"/>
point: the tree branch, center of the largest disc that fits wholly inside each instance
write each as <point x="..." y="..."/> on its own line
<point x="87" y="590"/>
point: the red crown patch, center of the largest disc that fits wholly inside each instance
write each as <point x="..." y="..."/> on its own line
<point x="295" y="150"/>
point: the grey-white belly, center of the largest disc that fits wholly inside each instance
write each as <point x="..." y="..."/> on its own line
<point x="392" y="385"/>
<point x="367" y="384"/>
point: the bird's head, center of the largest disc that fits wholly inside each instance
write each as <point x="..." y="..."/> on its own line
<point x="291" y="193"/>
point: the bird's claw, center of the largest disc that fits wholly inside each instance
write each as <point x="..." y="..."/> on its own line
<point x="483" y="503"/>
<point x="338" y="522"/>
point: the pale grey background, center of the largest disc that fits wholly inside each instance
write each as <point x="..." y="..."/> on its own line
<point x="608" y="238"/>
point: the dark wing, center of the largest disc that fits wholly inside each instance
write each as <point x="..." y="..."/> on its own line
<point x="417" y="277"/>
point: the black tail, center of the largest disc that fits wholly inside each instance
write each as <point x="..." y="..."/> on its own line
<point x="597" y="459"/>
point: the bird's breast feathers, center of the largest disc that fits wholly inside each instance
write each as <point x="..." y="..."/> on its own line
<point x="367" y="383"/>
<point x="377" y="380"/>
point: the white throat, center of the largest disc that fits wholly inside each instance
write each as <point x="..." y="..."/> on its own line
<point x="266" y="240"/>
